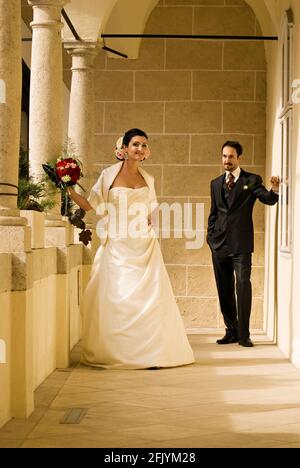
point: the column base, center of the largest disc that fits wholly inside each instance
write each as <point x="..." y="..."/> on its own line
<point x="10" y="217"/>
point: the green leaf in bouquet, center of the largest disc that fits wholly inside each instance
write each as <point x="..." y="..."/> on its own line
<point x="51" y="173"/>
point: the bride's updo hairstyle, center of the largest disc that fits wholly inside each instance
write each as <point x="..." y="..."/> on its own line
<point x="131" y="134"/>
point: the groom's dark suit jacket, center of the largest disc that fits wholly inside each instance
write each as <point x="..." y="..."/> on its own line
<point x="230" y="220"/>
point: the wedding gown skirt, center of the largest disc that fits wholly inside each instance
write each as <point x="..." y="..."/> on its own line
<point x="131" y="319"/>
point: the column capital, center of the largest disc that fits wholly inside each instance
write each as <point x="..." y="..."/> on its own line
<point x="83" y="54"/>
<point x="48" y="3"/>
<point x="82" y="47"/>
<point x="47" y="13"/>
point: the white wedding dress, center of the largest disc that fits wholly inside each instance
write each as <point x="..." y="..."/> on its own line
<point x="130" y="316"/>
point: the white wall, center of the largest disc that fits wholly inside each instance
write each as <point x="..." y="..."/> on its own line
<point x="283" y="276"/>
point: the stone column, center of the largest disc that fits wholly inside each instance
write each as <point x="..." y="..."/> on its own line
<point x="46" y="102"/>
<point x="10" y="107"/>
<point x="82" y="104"/>
<point x="46" y="88"/>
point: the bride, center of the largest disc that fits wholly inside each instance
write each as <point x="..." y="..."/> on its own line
<point x="130" y="316"/>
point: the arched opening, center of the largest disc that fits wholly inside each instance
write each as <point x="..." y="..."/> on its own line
<point x="190" y="96"/>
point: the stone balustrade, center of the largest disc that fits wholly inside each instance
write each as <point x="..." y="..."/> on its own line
<point x="41" y="291"/>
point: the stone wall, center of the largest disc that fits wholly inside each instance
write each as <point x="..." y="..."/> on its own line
<point x="190" y="96"/>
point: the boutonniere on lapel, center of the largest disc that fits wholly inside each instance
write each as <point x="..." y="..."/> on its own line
<point x="249" y="186"/>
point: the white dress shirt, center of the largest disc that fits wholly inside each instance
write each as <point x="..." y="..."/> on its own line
<point x="236" y="173"/>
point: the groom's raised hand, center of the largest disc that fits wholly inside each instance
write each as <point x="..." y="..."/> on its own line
<point x="275" y="181"/>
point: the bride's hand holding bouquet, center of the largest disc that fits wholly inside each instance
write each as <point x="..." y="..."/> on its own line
<point x="65" y="174"/>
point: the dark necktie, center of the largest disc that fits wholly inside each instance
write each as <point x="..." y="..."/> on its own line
<point x="230" y="181"/>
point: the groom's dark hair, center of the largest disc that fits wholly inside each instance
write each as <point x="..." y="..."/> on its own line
<point x="234" y="144"/>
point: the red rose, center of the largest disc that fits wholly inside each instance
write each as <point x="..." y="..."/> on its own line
<point x="68" y="167"/>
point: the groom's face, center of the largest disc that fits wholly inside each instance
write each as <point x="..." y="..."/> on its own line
<point x="230" y="159"/>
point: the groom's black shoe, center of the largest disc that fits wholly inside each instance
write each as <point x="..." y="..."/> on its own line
<point x="228" y="339"/>
<point x="246" y="343"/>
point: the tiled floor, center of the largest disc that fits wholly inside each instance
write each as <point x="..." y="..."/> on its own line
<point x="231" y="397"/>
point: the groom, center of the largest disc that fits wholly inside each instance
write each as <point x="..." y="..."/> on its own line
<point x="231" y="239"/>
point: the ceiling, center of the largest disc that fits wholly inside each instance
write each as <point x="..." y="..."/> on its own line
<point x="91" y="18"/>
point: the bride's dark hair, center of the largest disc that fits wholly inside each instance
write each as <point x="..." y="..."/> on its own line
<point x="132" y="133"/>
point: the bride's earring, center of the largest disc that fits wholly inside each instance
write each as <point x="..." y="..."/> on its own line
<point x="126" y="156"/>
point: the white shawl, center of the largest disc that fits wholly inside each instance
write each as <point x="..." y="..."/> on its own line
<point x="98" y="197"/>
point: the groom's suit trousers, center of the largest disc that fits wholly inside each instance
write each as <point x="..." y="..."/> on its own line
<point x="232" y="274"/>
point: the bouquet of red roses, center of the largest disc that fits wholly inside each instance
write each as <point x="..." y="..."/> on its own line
<point x="68" y="171"/>
<point x="65" y="173"/>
